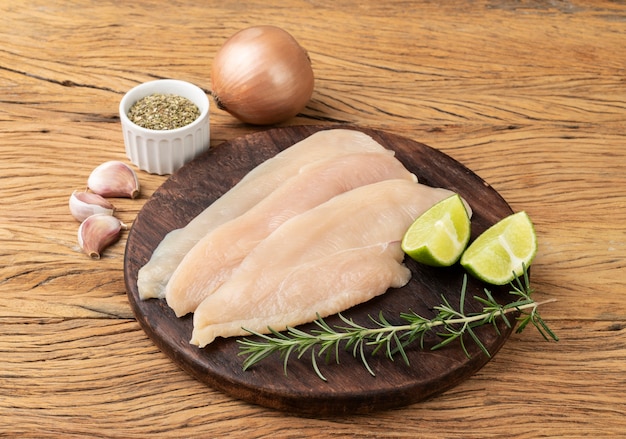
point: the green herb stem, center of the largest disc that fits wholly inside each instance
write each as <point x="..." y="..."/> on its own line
<point x="451" y="324"/>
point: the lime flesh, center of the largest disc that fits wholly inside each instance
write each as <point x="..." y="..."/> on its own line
<point x="439" y="236"/>
<point x="500" y="254"/>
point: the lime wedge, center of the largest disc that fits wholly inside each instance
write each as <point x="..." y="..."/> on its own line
<point x="499" y="254"/>
<point x="439" y="236"/>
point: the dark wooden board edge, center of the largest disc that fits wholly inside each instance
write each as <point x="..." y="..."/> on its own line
<point x="350" y="388"/>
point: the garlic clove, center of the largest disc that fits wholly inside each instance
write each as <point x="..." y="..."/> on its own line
<point x="98" y="232"/>
<point x="114" y="179"/>
<point x="85" y="204"/>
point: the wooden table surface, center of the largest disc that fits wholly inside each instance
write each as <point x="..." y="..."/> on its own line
<point x="530" y="95"/>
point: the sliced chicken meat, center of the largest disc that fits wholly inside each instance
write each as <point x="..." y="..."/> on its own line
<point x="256" y="185"/>
<point x="339" y="254"/>
<point x="212" y="260"/>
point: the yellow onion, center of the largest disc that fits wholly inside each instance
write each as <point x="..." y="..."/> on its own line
<point x="262" y="76"/>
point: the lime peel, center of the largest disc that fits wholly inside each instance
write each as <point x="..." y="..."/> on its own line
<point x="439" y="236"/>
<point x="501" y="252"/>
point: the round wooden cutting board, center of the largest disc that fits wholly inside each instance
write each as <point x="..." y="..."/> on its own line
<point x="349" y="387"/>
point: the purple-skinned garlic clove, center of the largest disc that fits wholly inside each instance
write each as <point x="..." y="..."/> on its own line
<point x="84" y="204"/>
<point x="98" y="232"/>
<point x="114" y="179"/>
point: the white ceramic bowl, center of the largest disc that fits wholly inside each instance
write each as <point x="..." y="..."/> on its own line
<point x="165" y="151"/>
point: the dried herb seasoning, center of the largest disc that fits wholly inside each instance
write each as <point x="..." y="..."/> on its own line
<point x="163" y="112"/>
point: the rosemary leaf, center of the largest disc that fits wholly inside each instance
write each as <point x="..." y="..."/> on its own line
<point x="449" y="324"/>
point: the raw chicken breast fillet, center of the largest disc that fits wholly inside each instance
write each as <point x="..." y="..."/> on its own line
<point x="323" y="261"/>
<point x="212" y="260"/>
<point x="256" y="185"/>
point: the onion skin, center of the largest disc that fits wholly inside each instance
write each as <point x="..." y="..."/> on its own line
<point x="262" y="76"/>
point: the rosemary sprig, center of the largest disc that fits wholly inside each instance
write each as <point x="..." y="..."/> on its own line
<point x="449" y="324"/>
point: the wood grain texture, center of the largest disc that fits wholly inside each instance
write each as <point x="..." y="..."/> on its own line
<point x="531" y="95"/>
